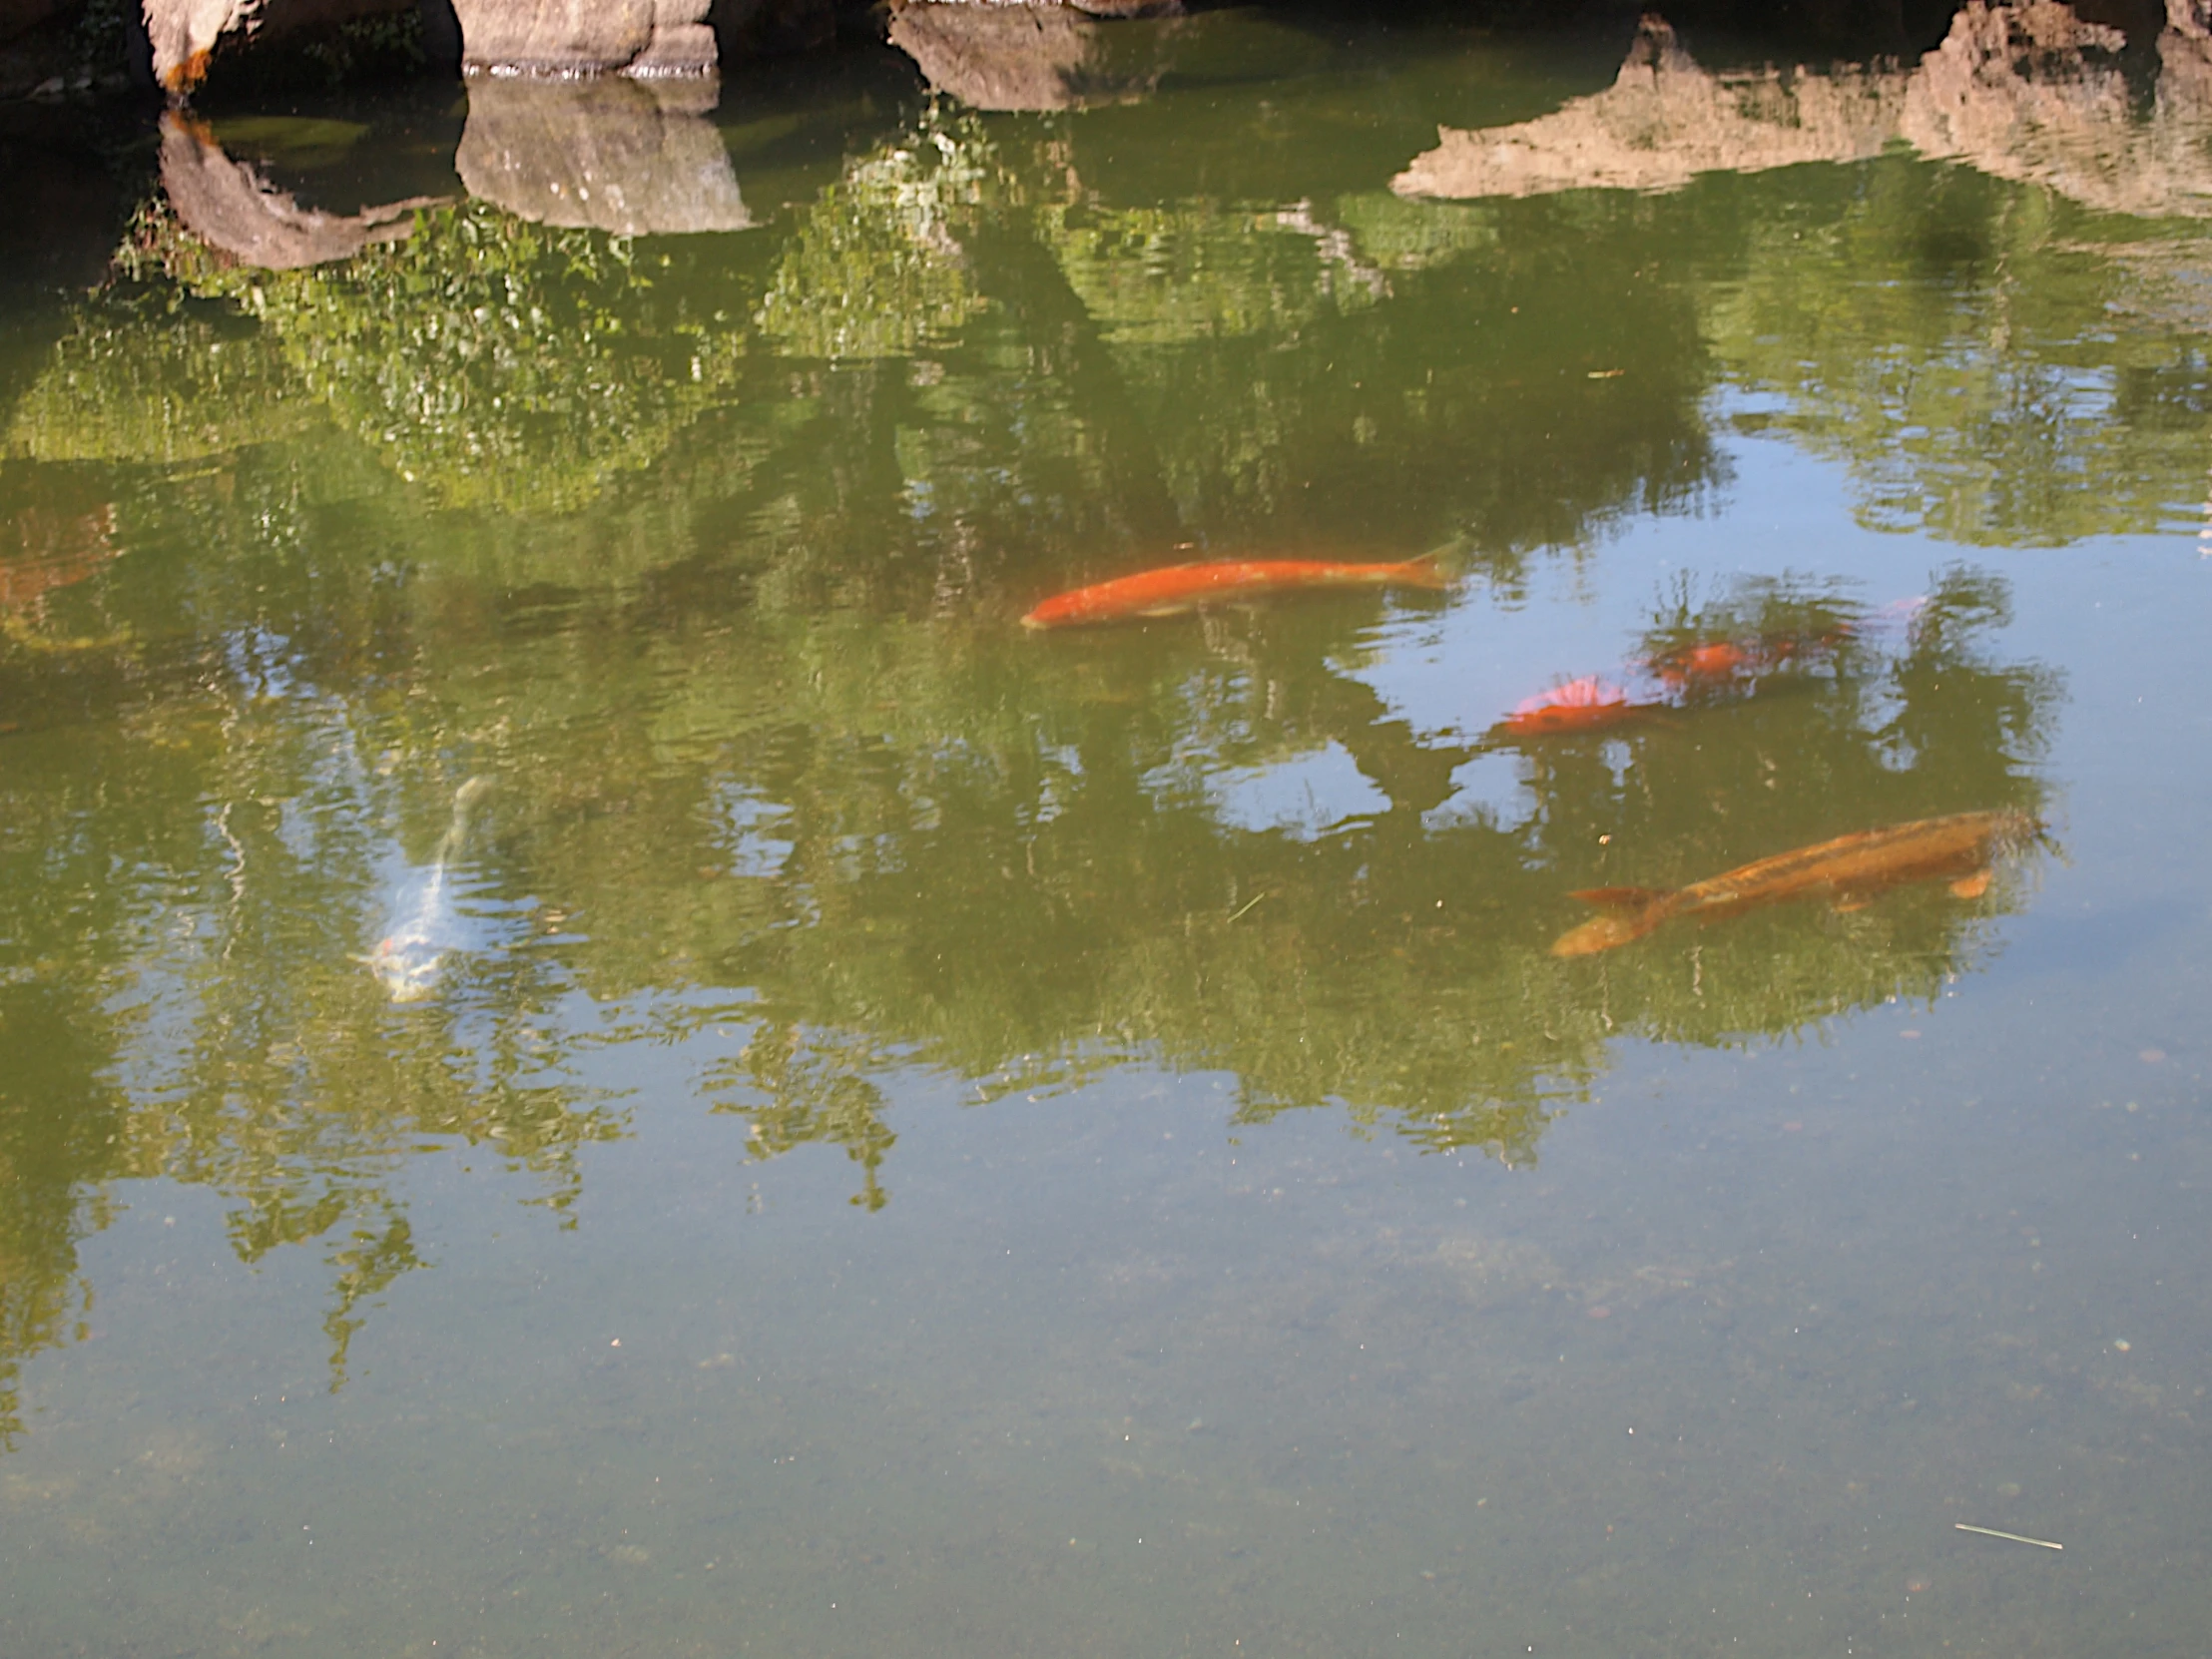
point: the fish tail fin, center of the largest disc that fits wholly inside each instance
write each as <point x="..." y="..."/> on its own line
<point x="1439" y="567"/>
<point x="1429" y="570"/>
<point x="1619" y="900"/>
<point x="1450" y="549"/>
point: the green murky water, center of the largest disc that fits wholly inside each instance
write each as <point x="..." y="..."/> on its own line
<point x="875" y="1131"/>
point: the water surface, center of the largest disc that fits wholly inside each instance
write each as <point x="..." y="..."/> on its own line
<point x="918" y="1135"/>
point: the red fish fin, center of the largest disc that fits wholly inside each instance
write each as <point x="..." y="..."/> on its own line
<point x="1616" y="900"/>
<point x="1970" y="887"/>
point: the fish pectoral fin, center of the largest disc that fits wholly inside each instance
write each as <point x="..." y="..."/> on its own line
<point x="1971" y="887"/>
<point x="1618" y="899"/>
<point x="1845" y="903"/>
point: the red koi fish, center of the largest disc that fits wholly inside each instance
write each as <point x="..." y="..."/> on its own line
<point x="1703" y="665"/>
<point x="1715" y="663"/>
<point x="1850" y="871"/>
<point x="1585" y="704"/>
<point x="1174" y="590"/>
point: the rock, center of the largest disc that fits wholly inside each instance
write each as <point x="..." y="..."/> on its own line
<point x="232" y="207"/>
<point x="38" y="57"/>
<point x="184" y="33"/>
<point x="614" y="154"/>
<point x="52" y="178"/>
<point x="586" y="37"/>
<point x="21" y="16"/>
<point x="762" y="28"/>
<point x="498" y="37"/>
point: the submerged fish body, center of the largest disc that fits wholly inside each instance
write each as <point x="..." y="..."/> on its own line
<point x="1723" y="664"/>
<point x="1585" y="704"/>
<point x="1850" y="869"/>
<point x="408" y="959"/>
<point x="1174" y="590"/>
<point x="1695" y="675"/>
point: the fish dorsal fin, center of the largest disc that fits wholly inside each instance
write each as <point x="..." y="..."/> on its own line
<point x="1613" y="901"/>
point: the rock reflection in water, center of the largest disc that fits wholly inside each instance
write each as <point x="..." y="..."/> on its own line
<point x="628" y="157"/>
<point x="1023" y="56"/>
<point x="631" y="157"/>
<point x="2030" y="92"/>
<point x="229" y="206"/>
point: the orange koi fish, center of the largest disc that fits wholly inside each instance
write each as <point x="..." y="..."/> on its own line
<point x="1585" y="704"/>
<point x="1173" y="590"/>
<point x="1851" y="870"/>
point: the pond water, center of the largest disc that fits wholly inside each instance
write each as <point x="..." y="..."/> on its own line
<point x="601" y="1053"/>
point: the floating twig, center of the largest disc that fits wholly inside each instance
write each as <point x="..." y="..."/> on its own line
<point x="1246" y="906"/>
<point x="2014" y="1537"/>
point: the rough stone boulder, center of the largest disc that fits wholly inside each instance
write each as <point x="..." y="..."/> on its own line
<point x="184" y="33"/>
<point x="35" y="48"/>
<point x="19" y="16"/>
<point x="498" y="37"/>
<point x="613" y="154"/>
<point x="586" y="37"/>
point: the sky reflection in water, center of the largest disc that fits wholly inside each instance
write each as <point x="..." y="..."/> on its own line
<point x="931" y="1138"/>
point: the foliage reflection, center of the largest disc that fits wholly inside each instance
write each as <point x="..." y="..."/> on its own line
<point x="711" y="552"/>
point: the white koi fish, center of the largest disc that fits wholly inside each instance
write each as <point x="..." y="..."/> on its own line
<point x="407" y="960"/>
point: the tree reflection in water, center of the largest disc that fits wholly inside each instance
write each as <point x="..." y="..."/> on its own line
<point x="712" y="551"/>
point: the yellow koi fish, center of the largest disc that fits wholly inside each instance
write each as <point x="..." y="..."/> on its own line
<point x="1850" y="869"/>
